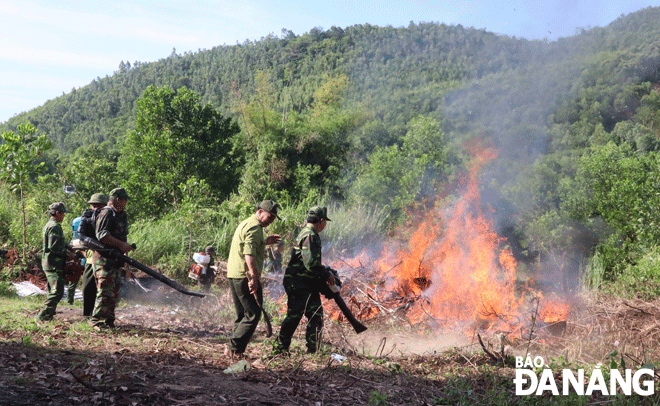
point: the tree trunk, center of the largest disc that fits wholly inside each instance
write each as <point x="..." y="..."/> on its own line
<point x="23" y="213"/>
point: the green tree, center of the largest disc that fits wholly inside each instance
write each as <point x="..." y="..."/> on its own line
<point x="290" y="152"/>
<point x="398" y="176"/>
<point x="91" y="170"/>
<point x="622" y="188"/>
<point x="176" y="138"/>
<point x="19" y="155"/>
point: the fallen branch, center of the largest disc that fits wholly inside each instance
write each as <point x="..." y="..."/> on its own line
<point x="88" y="385"/>
<point x="490" y="354"/>
<point x="637" y="308"/>
<point x="380" y="306"/>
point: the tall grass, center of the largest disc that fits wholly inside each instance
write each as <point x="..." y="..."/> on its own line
<point x="594" y="272"/>
<point x="169" y="242"/>
<point x="354" y="228"/>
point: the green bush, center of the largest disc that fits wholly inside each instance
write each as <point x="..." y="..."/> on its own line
<point x="641" y="280"/>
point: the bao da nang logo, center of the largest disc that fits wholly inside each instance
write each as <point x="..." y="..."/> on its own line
<point x="528" y="383"/>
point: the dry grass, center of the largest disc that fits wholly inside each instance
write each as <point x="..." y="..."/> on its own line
<point x="169" y="351"/>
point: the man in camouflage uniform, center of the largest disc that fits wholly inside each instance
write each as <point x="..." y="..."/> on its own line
<point x="304" y="279"/>
<point x="244" y="266"/>
<point x="55" y="255"/>
<point x="87" y="281"/>
<point x="111" y="230"/>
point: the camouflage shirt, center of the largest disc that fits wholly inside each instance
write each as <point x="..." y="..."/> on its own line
<point x="113" y="223"/>
<point x="54" y="245"/>
<point x="305" y="261"/>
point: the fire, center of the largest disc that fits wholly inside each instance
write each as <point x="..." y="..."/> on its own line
<point x="458" y="264"/>
<point x="552" y="311"/>
<point x="454" y="271"/>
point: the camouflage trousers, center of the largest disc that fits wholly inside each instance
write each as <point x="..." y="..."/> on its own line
<point x="55" y="292"/>
<point x="71" y="291"/>
<point x="107" y="296"/>
<point x="302" y="300"/>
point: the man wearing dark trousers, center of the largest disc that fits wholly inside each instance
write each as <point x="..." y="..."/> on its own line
<point x="304" y="279"/>
<point x="87" y="228"/>
<point x="244" y="266"/>
<point x="56" y="252"/>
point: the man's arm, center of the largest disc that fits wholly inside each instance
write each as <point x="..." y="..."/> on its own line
<point x="124" y="247"/>
<point x="103" y="233"/>
<point x="311" y="257"/>
<point x="253" y="274"/>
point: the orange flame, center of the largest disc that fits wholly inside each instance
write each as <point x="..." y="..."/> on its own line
<point x="553" y="311"/>
<point x="455" y="269"/>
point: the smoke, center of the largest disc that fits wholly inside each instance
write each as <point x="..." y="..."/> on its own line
<point x="463" y="260"/>
<point x="513" y="110"/>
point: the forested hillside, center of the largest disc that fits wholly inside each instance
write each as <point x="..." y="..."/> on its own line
<point x="377" y="118"/>
<point x="398" y="72"/>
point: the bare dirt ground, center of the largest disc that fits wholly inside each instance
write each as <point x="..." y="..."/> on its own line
<point x="168" y="350"/>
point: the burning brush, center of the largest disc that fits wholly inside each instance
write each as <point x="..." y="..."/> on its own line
<point x="454" y="271"/>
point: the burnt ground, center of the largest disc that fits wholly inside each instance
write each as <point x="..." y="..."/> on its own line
<point x="168" y="350"/>
<point x="158" y="357"/>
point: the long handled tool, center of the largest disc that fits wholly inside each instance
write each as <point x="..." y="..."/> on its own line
<point x="355" y="323"/>
<point x="115" y="254"/>
<point x="269" y="327"/>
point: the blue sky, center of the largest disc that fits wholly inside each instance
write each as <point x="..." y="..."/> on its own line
<point x="49" y="47"/>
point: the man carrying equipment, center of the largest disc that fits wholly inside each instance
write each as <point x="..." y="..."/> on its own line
<point x="111" y="230"/>
<point x="87" y="228"/>
<point x="304" y="279"/>
<point x="207" y="279"/>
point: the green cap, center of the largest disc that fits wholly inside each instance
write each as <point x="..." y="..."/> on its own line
<point x="119" y="193"/>
<point x="98" y="198"/>
<point x="59" y="206"/>
<point x="270" y="207"/>
<point x="319" y="212"/>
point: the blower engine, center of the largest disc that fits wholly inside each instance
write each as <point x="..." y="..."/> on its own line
<point x="198" y="269"/>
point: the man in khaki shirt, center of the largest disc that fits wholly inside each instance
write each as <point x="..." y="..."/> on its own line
<point x="244" y="266"/>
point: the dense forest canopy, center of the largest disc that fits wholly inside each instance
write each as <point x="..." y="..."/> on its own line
<point x="378" y="117"/>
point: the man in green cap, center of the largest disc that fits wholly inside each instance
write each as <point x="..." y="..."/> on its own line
<point x="111" y="230"/>
<point x="304" y="279"/>
<point x="56" y="252"/>
<point x="87" y="228"/>
<point x="98" y="200"/>
<point x="244" y="266"/>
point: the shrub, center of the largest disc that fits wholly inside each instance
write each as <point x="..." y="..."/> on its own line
<point x="641" y="280"/>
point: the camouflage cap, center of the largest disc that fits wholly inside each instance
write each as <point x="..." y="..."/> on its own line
<point x="59" y="206"/>
<point x="269" y="206"/>
<point x="119" y="193"/>
<point x="319" y="212"/>
<point x="98" y="198"/>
